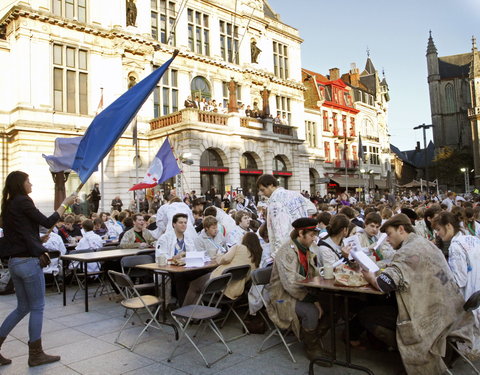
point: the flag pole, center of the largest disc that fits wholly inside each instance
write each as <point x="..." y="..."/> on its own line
<point x="102" y="182"/>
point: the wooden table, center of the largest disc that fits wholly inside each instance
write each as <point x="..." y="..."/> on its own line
<point x="165" y="271"/>
<point x="96" y="256"/>
<point x="333" y="290"/>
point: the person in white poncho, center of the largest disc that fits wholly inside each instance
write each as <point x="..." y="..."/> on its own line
<point x="284" y="207"/>
<point x="464" y="261"/>
<point x="165" y="215"/>
<point x="90" y="240"/>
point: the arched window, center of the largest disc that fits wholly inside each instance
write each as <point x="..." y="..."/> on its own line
<point x="449" y="98"/>
<point x="201" y="88"/>
<point x="211" y="158"/>
<point x="279" y="165"/>
<point x="248" y="162"/>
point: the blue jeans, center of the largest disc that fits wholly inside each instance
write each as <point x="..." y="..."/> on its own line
<point x="29" y="283"/>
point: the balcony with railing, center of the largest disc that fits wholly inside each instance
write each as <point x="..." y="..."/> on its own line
<point x="191" y="118"/>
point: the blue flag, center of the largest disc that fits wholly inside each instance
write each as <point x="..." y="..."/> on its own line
<point x="108" y="126"/>
<point x="163" y="167"/>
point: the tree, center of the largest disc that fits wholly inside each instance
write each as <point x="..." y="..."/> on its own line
<point x="447" y="164"/>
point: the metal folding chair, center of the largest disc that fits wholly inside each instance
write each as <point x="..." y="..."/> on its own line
<point x="133" y="301"/>
<point x="185" y="315"/>
<point x="55" y="254"/>
<point x="238" y="273"/>
<point x="261" y="277"/>
<point x="472" y="303"/>
<point x="128" y="267"/>
<point x="79" y="274"/>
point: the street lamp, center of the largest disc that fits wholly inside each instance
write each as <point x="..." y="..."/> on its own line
<point x="365" y="172"/>
<point x="465" y="177"/>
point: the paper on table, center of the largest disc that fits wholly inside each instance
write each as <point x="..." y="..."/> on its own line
<point x="194" y="259"/>
<point x="365" y="262"/>
<point x="380" y="241"/>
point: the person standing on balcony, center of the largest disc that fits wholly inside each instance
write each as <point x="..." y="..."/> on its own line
<point x="189" y="103"/>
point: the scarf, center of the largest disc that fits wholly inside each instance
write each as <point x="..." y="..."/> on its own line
<point x="302" y="257"/>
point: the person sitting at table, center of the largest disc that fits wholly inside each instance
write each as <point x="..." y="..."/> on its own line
<point x="138" y="236"/>
<point x="330" y="248"/>
<point x="248" y="252"/>
<point x="68" y="232"/>
<point x="226" y="223"/>
<point x="368" y="239"/>
<point x="127" y="225"/>
<point x="210" y="240"/>
<point x="99" y="227"/>
<point x="463" y="260"/>
<point x="291" y="306"/>
<point x="174" y="244"/>
<point x="242" y="221"/>
<point x="429" y="301"/>
<point x="90" y="240"/>
<point x="166" y="213"/>
<point x="113" y="229"/>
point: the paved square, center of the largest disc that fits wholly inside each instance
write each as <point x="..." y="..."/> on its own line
<point x="85" y="342"/>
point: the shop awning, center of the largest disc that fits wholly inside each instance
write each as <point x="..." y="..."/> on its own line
<point x="352" y="181"/>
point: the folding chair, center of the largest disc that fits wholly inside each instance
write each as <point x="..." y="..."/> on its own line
<point x="472" y="303"/>
<point x="183" y="316"/>
<point x="261" y="277"/>
<point x="238" y="273"/>
<point x="54" y="254"/>
<point x="79" y="275"/>
<point x="128" y="267"/>
<point x="132" y="300"/>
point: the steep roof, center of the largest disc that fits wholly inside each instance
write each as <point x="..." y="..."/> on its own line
<point x="268" y="11"/>
<point x="455" y="65"/>
<point x="369" y="68"/>
<point x="416" y="157"/>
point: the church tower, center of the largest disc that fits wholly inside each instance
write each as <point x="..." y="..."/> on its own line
<point x="474" y="110"/>
<point x="434" y="90"/>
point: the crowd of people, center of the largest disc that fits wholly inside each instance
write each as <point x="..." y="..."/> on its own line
<point x="253" y="111"/>
<point x="429" y="263"/>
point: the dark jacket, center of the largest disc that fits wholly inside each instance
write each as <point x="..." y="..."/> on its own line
<point x="21" y="227"/>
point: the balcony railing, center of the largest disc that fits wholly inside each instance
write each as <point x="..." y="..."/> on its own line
<point x="191" y="116"/>
<point x="282" y="129"/>
<point x="212" y="118"/>
<point x="161" y="122"/>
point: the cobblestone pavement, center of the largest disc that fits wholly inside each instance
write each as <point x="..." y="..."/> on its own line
<point x="85" y="342"/>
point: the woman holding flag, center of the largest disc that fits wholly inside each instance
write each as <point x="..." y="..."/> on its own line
<point x="26" y="258"/>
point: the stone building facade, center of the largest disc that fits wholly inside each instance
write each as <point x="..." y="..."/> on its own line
<point x="454" y="86"/>
<point x="59" y="56"/>
<point x="338" y="110"/>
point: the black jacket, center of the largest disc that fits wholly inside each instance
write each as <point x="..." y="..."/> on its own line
<point x="21" y="228"/>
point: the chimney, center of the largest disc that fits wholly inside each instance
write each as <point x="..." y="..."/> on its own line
<point x="354" y="75"/>
<point x="418" y="146"/>
<point x="334" y="74"/>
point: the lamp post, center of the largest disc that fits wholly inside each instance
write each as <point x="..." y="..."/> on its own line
<point x="424" y="128"/>
<point x="465" y="178"/>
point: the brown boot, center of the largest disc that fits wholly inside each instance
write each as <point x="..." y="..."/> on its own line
<point x="3" y="360"/>
<point x="313" y="348"/>
<point x="37" y="357"/>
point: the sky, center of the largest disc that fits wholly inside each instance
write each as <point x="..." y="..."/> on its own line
<point x="338" y="33"/>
